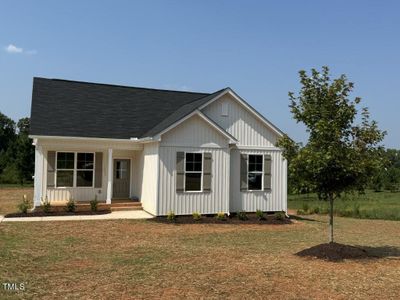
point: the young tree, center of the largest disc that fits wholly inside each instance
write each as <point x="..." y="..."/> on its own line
<point x="339" y="155"/>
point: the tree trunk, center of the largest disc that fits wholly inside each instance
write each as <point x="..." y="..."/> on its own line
<point x="331" y="219"/>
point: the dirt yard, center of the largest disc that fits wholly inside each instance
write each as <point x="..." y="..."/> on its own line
<point x="10" y="197"/>
<point x="147" y="259"/>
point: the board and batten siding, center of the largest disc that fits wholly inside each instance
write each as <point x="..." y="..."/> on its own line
<point x="240" y="123"/>
<point x="193" y="135"/>
<point x="149" y="163"/>
<point x="188" y="202"/>
<point x="250" y="201"/>
<point x="194" y="132"/>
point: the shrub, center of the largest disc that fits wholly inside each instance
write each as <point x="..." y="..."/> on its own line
<point x="24" y="205"/>
<point x="221" y="216"/>
<point x="196" y="216"/>
<point x="71" y="206"/>
<point x="315" y="210"/>
<point x="280" y="216"/>
<point x="171" y="216"/>
<point x="260" y="215"/>
<point x="301" y="212"/>
<point x="46" y="206"/>
<point x="305" y="207"/>
<point x="242" y="215"/>
<point x="94" y="203"/>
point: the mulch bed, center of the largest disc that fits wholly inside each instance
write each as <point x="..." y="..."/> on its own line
<point x="56" y="214"/>
<point x="232" y="219"/>
<point x="335" y="252"/>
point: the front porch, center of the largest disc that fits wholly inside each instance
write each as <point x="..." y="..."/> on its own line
<point x="84" y="171"/>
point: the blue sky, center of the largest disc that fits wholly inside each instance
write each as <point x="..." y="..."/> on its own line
<point x="255" y="47"/>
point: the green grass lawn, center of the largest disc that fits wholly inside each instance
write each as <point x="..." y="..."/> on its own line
<point x="372" y="205"/>
<point x="145" y="259"/>
<point x="15" y="186"/>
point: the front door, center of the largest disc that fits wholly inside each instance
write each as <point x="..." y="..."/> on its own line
<point x="121" y="180"/>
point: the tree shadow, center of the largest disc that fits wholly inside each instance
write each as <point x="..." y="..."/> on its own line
<point x="298" y="218"/>
<point x="336" y="252"/>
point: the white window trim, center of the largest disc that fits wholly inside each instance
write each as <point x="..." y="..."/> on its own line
<point x="201" y="172"/>
<point x="255" y="172"/>
<point x="75" y="171"/>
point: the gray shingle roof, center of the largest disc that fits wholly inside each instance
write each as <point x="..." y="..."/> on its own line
<point x="81" y="109"/>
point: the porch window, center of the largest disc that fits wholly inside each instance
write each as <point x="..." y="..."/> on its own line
<point x="85" y="167"/>
<point x="74" y="169"/>
<point x="193" y="172"/>
<point x="65" y="169"/>
<point x="255" y="172"/>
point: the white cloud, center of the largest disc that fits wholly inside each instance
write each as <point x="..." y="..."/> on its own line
<point x="13" y="49"/>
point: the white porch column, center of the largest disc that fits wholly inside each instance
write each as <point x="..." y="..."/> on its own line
<point x="38" y="177"/>
<point x="110" y="176"/>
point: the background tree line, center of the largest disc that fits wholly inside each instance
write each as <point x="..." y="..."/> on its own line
<point x="17" y="154"/>
<point x="386" y="179"/>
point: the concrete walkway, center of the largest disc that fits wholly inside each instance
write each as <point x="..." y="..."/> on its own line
<point x="115" y="215"/>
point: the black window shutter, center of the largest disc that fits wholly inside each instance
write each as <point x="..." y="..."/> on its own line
<point x="267" y="172"/>
<point x="51" y="168"/>
<point x="180" y="171"/>
<point x="243" y="172"/>
<point x="98" y="177"/>
<point x="207" y="172"/>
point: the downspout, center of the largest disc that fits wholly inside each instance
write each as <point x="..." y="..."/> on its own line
<point x="158" y="179"/>
<point x="229" y="182"/>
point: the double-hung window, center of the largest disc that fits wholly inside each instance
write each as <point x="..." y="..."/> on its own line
<point x="255" y="172"/>
<point x="193" y="172"/>
<point x="74" y="169"/>
<point x="84" y="169"/>
<point x="65" y="169"/>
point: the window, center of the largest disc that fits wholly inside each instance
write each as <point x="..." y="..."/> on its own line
<point x="74" y="169"/>
<point x="84" y="169"/>
<point x="65" y="169"/>
<point x="193" y="171"/>
<point x="121" y="169"/>
<point x="255" y="172"/>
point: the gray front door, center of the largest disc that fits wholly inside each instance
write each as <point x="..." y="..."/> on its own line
<point x="121" y="180"/>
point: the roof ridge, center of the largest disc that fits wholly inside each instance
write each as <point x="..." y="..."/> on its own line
<point x="123" y="86"/>
<point x="207" y="95"/>
<point x="183" y="107"/>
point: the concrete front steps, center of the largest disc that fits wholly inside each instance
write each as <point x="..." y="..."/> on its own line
<point x="125" y="205"/>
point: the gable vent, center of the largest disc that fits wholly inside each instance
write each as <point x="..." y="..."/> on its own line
<point x="224" y="109"/>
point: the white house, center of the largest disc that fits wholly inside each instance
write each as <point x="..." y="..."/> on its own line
<point x="172" y="151"/>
